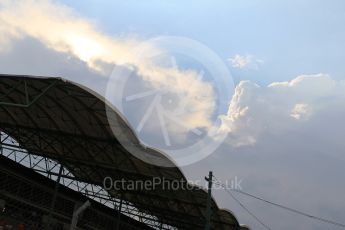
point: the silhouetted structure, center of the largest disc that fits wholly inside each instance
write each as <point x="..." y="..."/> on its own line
<point x="50" y="123"/>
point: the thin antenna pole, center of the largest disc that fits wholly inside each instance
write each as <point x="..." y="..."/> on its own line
<point x="209" y="198"/>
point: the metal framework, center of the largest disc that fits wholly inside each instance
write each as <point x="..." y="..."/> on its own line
<point x="48" y="123"/>
<point x="51" y="169"/>
<point x="29" y="197"/>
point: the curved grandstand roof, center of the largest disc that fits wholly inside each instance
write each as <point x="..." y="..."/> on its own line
<point x="61" y="120"/>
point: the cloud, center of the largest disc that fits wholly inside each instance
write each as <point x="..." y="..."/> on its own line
<point x="244" y="61"/>
<point x="301" y="111"/>
<point x="281" y="107"/>
<point x="60" y="29"/>
<point x="286" y="138"/>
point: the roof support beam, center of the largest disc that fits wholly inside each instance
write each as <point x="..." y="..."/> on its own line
<point x="27" y="103"/>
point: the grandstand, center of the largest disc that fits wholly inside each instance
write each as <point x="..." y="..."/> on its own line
<point x="57" y="146"/>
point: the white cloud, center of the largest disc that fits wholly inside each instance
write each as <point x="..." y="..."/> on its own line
<point x="286" y="138"/>
<point x="244" y="61"/>
<point x="62" y="30"/>
<point x="239" y="61"/>
<point x="301" y="111"/>
<point x="257" y="111"/>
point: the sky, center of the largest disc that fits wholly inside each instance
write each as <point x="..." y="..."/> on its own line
<point x="293" y="38"/>
<point x="283" y="117"/>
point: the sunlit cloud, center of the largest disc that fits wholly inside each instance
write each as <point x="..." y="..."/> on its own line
<point x="61" y="29"/>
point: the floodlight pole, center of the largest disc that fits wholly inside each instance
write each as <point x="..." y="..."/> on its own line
<point x="209" y="198"/>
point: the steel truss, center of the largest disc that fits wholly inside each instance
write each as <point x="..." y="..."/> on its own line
<point x="50" y="169"/>
<point x="43" y="142"/>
